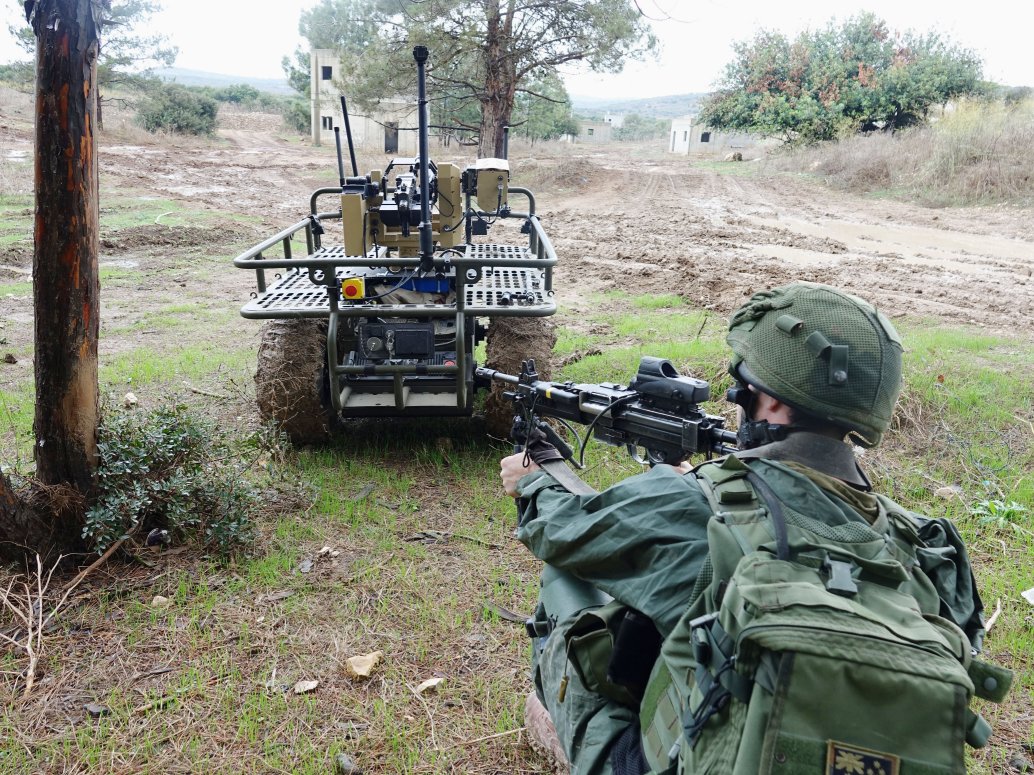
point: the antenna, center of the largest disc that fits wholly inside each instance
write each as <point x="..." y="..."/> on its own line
<point x="426" y="247"/>
<point x="340" y="161"/>
<point x="348" y="134"/>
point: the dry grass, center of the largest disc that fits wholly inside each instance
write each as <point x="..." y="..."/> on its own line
<point x="206" y="683"/>
<point x="978" y="153"/>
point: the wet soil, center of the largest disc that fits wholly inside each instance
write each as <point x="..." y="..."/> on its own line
<point x="632" y="218"/>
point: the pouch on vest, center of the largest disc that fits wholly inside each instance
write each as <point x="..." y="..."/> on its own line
<point x="612" y="648"/>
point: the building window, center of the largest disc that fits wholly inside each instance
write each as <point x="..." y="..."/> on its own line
<point x="705" y="137"/>
<point x="589" y="131"/>
<point x="328" y="72"/>
<point x="685" y="135"/>
<point x="328" y="122"/>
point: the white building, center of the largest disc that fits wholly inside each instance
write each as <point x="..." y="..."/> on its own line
<point x="385" y="131"/>
<point x="690" y="137"/>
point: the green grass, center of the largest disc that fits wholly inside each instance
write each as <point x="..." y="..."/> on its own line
<point x="143" y="366"/>
<point x="178" y="317"/>
<point x="662" y="326"/>
<point x="15" y="219"/>
<point x="16" y="289"/>
<point x="121" y="212"/>
<point x="734" y="168"/>
<point x="424" y="539"/>
<point x="105" y="274"/>
<point x="17" y="408"/>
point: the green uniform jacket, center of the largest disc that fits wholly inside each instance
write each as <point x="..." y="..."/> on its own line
<point x="644" y="540"/>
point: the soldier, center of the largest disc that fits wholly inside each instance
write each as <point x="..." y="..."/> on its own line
<point x="817" y="374"/>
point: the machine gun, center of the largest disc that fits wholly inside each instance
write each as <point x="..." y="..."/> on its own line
<point x="658" y="411"/>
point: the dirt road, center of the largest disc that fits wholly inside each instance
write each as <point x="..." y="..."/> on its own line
<point x="633" y="218"/>
<point x="714" y="238"/>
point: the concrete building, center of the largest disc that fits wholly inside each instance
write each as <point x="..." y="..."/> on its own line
<point x="693" y="138"/>
<point x="594" y="132"/>
<point x="391" y="130"/>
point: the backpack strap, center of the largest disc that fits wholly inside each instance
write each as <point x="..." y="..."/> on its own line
<point x="732" y="488"/>
<point x="775" y="511"/>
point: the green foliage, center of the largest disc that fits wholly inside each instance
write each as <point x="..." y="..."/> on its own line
<point x="296" y="70"/>
<point x="177" y="109"/>
<point x="348" y="26"/>
<point x="636" y="127"/>
<point x="835" y="81"/>
<point x="542" y="110"/>
<point x="159" y="470"/>
<point x="17" y="73"/>
<point x="237" y="94"/>
<point x="126" y="55"/>
<point x="297" y="116"/>
<point x="126" y="52"/>
<point x="976" y="154"/>
<point x="1018" y="94"/>
<point x="240" y="94"/>
<point x="999" y="514"/>
<point x="483" y="54"/>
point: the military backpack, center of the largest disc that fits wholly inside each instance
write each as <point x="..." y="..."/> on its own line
<point x="812" y="649"/>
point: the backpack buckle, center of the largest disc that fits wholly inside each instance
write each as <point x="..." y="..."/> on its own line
<point x="839" y="580"/>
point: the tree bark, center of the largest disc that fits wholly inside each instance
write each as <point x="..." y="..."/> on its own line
<point x="38" y="519"/>
<point x="65" y="277"/>
<point x="500" y="79"/>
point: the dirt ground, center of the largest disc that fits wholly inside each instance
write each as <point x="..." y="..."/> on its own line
<point x="633" y="218"/>
<point x="645" y="222"/>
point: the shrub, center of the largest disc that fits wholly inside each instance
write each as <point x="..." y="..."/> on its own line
<point x="161" y="470"/>
<point x="177" y="109"/>
<point x="976" y="153"/>
<point x="296" y="116"/>
<point x="239" y="93"/>
<point x="20" y="74"/>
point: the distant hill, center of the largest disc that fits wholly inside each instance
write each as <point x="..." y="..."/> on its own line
<point x="187" y="77"/>
<point x="671" y="106"/>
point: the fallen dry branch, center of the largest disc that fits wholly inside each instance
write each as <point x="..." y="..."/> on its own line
<point x="27" y="607"/>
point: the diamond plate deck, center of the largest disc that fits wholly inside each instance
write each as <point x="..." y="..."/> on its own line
<point x="500" y="291"/>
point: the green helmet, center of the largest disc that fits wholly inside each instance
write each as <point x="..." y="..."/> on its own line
<point x="825" y="353"/>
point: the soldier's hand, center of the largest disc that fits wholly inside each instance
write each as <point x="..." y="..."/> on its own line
<point x="511" y="469"/>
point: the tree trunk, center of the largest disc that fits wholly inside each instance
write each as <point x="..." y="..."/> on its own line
<point x="500" y="79"/>
<point x="65" y="278"/>
<point x="39" y="520"/>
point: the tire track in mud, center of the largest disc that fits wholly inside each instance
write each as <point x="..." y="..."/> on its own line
<point x="659" y="224"/>
<point x="712" y="238"/>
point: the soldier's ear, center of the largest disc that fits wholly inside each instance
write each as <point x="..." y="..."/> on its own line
<point x="768" y="407"/>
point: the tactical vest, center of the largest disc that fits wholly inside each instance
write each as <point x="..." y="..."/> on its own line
<point x="811" y="648"/>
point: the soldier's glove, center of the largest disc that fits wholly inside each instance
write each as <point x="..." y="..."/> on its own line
<point x="538" y="447"/>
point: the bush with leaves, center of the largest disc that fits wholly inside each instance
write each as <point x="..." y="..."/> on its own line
<point x="296" y="116"/>
<point x="176" y="109"/>
<point x="830" y="83"/>
<point x="167" y="470"/>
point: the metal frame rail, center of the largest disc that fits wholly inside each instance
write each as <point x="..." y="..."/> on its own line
<point x="475" y="277"/>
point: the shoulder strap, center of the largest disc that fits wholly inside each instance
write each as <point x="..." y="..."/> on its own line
<point x="731" y="486"/>
<point x="775" y="511"/>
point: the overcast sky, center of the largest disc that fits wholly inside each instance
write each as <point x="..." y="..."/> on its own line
<point x="242" y="37"/>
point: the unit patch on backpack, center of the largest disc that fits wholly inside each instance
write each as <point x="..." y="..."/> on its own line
<point x="844" y="759"/>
